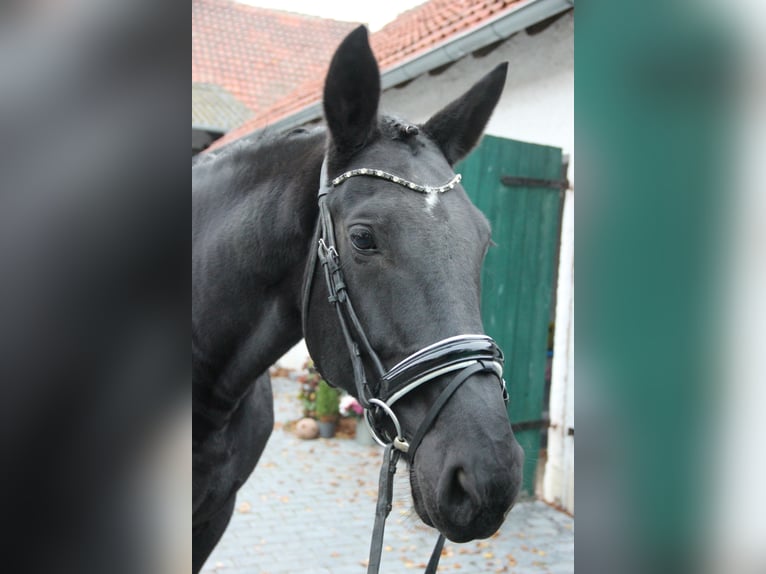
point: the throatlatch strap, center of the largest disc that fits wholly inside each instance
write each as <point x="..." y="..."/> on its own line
<point x="308" y="280"/>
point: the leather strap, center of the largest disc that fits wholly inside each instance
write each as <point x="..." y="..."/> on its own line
<point x="308" y="278"/>
<point x="436" y="408"/>
<point x="338" y="296"/>
<point x="433" y="563"/>
<point x="387" y="471"/>
<point x="383" y="508"/>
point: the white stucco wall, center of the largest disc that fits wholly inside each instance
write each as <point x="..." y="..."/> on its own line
<point x="538" y="101"/>
<point x="558" y="480"/>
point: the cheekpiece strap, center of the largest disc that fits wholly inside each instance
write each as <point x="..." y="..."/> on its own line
<point x="324" y="185"/>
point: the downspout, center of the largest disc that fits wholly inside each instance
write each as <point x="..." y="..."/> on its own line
<point x="500" y="28"/>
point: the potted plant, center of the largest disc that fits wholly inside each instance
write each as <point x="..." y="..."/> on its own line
<point x="327" y="408"/>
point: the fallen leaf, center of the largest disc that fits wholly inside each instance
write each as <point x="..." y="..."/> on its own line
<point x="244" y="508"/>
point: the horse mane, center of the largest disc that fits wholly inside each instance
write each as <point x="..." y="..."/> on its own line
<point x="264" y="145"/>
<point x="260" y="148"/>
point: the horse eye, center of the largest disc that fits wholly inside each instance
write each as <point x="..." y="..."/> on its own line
<point x="363" y="240"/>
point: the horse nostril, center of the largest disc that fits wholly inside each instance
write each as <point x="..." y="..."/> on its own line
<point x="462" y="479"/>
<point x="471" y="500"/>
<point x="460" y="495"/>
<point x="465" y="486"/>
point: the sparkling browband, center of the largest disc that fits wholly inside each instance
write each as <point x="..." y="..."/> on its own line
<point x="398" y="180"/>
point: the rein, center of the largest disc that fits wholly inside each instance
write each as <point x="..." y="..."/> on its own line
<point x="465" y="355"/>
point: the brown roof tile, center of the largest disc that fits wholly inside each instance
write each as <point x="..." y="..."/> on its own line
<point x="259" y="55"/>
<point x="412" y="33"/>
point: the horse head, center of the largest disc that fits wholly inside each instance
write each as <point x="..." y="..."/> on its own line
<point x="410" y="246"/>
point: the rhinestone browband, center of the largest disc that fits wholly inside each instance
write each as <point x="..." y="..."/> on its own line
<point x="398" y="180"/>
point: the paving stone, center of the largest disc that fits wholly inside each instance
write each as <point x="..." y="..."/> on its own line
<point x="311" y="511"/>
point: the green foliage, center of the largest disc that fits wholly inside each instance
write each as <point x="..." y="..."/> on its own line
<point x="327" y="400"/>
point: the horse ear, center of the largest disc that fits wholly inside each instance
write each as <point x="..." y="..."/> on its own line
<point x="352" y="92"/>
<point x="456" y="129"/>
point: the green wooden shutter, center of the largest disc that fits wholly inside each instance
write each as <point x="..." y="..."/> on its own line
<point x="518" y="272"/>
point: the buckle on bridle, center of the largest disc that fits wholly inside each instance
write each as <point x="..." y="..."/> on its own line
<point x="330" y="259"/>
<point x="325" y="253"/>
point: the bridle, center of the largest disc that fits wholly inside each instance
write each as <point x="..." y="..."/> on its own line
<point x="463" y="355"/>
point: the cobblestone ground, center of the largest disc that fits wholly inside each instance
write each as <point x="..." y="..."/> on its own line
<point x="309" y="508"/>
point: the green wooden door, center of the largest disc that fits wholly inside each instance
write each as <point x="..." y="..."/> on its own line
<point x="518" y="272"/>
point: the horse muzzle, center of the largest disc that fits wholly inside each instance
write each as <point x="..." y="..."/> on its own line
<point x="468" y="470"/>
<point x="467" y="502"/>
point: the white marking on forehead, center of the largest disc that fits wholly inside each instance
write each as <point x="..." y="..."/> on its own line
<point x="432" y="199"/>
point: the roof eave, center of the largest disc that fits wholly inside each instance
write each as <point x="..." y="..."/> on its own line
<point x="210" y="128"/>
<point x="498" y="28"/>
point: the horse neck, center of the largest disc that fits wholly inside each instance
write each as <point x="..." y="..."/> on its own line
<point x="251" y="235"/>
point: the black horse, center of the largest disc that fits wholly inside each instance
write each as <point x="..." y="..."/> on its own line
<point x="411" y="262"/>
